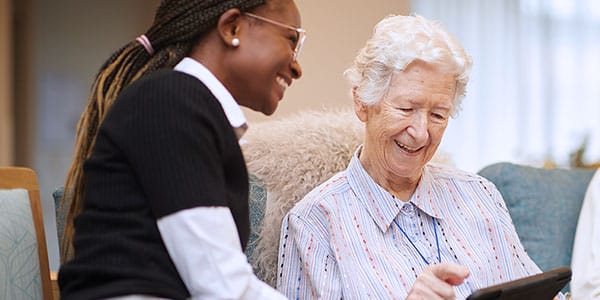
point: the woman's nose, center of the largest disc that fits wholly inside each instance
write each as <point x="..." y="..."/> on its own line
<point x="418" y="128"/>
<point x="296" y="69"/>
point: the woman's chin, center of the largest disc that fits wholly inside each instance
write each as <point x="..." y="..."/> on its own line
<point x="268" y="110"/>
<point x="270" y="107"/>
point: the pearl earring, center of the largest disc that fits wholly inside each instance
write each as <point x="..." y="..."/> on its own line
<point x="235" y="42"/>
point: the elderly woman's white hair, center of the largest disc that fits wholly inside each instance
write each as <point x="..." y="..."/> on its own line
<point x="396" y="42"/>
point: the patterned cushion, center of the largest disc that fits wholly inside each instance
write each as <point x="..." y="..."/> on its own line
<point x="544" y="205"/>
<point x="61" y="212"/>
<point x="257" y="202"/>
<point x="19" y="261"/>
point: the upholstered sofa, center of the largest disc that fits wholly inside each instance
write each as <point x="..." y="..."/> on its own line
<point x="288" y="157"/>
<point x="544" y="205"/>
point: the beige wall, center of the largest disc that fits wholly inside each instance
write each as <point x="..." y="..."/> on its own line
<point x="6" y="116"/>
<point x="337" y="29"/>
<point x="24" y="103"/>
<point x="62" y="43"/>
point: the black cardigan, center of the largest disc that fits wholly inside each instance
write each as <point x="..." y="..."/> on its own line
<point x="164" y="146"/>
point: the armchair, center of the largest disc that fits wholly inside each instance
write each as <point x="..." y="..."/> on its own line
<point x="287" y="158"/>
<point x="24" y="269"/>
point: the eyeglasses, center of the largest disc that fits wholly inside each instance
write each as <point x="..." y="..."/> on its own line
<point x="300" y="33"/>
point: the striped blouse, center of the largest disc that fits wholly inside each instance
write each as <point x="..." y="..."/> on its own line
<point x="345" y="239"/>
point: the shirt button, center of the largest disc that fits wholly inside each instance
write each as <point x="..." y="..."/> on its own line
<point x="408" y="209"/>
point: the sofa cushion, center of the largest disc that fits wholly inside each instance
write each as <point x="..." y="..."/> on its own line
<point x="19" y="260"/>
<point x="60" y="211"/>
<point x="257" y="201"/>
<point x="544" y="205"/>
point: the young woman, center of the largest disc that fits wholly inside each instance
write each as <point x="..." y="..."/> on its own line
<point x="158" y="188"/>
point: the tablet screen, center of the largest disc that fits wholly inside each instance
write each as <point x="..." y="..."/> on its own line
<point x="543" y="286"/>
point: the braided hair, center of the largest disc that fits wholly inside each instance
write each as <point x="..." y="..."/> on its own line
<point x="177" y="27"/>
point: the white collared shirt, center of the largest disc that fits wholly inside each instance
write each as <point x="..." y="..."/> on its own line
<point x="233" y="112"/>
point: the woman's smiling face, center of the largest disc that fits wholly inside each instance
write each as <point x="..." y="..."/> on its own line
<point x="268" y="65"/>
<point x="405" y="128"/>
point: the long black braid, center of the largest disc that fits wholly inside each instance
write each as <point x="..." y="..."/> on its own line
<point x="177" y="27"/>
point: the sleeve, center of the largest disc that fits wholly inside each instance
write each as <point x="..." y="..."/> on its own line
<point x="586" y="251"/>
<point x="306" y="269"/>
<point x="211" y="262"/>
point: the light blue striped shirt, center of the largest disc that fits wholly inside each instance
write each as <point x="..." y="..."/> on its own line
<point x="341" y="240"/>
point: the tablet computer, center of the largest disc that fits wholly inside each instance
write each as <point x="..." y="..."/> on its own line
<point x="543" y="286"/>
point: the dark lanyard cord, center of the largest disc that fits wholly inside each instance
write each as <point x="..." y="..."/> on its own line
<point x="415" y="246"/>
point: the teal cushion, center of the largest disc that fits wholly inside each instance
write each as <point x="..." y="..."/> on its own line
<point x="61" y="212"/>
<point x="19" y="261"/>
<point x="257" y="201"/>
<point x="544" y="205"/>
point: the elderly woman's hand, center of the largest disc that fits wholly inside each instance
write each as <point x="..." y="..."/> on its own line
<point x="437" y="281"/>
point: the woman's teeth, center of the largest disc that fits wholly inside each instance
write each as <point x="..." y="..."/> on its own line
<point x="282" y="83"/>
<point x="406" y="148"/>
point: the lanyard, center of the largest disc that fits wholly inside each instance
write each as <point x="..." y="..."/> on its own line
<point x="415" y="246"/>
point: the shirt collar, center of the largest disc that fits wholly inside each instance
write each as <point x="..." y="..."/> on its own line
<point x="430" y="194"/>
<point x="380" y="204"/>
<point x="233" y="112"/>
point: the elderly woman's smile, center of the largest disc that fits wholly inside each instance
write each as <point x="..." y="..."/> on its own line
<point x="407" y="148"/>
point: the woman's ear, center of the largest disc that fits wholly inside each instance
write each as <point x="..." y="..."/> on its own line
<point x="359" y="107"/>
<point x="228" y="27"/>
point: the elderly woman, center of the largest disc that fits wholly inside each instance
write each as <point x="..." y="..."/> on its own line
<point x="392" y="226"/>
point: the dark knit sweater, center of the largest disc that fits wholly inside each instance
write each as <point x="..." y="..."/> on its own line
<point x="164" y="146"/>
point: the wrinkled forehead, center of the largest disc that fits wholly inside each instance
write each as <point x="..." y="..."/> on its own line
<point x="421" y="76"/>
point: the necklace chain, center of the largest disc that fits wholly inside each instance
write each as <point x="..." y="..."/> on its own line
<point x="415" y="246"/>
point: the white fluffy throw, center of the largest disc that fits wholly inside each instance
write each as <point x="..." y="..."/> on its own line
<point x="292" y="156"/>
